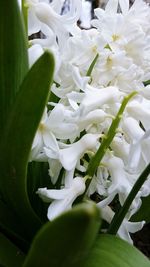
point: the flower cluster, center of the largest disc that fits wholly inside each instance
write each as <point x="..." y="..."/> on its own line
<point x="95" y="69"/>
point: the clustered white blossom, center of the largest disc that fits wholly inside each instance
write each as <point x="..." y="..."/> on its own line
<point x="72" y="128"/>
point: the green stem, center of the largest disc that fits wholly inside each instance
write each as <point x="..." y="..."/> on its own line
<point x="91" y="67"/>
<point x="146" y="83"/>
<point x="25" y="16"/>
<point x="95" y="161"/>
<point x="120" y="215"/>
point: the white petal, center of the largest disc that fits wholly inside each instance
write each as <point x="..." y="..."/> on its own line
<point x="134" y="227"/>
<point x="135" y="132"/>
<point x="66" y="131"/>
<point x="95" y="98"/>
<point x="107" y="213"/>
<point x="57" y="207"/>
<point x="80" y="81"/>
<point x="140" y="112"/>
<point x="51" y="154"/>
<point x="93" y="117"/>
<point x="50" y="194"/>
<point x="102" y="204"/>
<point x="57" y="115"/>
<point x="34" y="52"/>
<point x="50" y="140"/>
<point x="124" y="4"/>
<point x="134" y="157"/>
<point x="34" y="25"/>
<point x="54" y="169"/>
<point x="112" y="6"/>
<point x="69" y="156"/>
<point x="124" y="233"/>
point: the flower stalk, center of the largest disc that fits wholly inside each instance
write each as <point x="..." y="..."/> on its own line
<point x="95" y="161"/>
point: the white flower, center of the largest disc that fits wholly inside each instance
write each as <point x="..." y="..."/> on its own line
<point x="62" y="198"/>
<point x="119" y="182"/>
<point x="95" y="98"/>
<point x="43" y="137"/>
<point x="145" y="92"/>
<point x="140" y="112"/>
<point x="124" y="31"/>
<point x="70" y="155"/>
<point x="60" y="125"/>
<point x="139" y="154"/>
<point x="52" y="126"/>
<point x="126" y="227"/>
<point x="87" y="102"/>
<point x="120" y="147"/>
<point x="44" y="13"/>
<point x="134" y="133"/>
<point x="85" y="16"/>
<point x="34" y="53"/>
<point x="96" y="116"/>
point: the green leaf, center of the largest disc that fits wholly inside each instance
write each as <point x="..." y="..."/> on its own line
<point x="10" y="227"/>
<point x="65" y="240"/>
<point x="10" y="255"/>
<point x="111" y="251"/>
<point x="91" y="67"/>
<point x="13" y="56"/>
<point x="144" y="211"/>
<point x="18" y="138"/>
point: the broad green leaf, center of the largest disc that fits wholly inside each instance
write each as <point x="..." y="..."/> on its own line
<point x="10" y="226"/>
<point x="13" y="56"/>
<point x="111" y="251"/>
<point x="144" y="211"/>
<point x="65" y="240"/>
<point x="18" y="138"/>
<point x="10" y="255"/>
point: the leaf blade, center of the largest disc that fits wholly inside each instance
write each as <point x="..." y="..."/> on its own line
<point x="65" y="240"/>
<point x="18" y="138"/>
<point x="10" y="255"/>
<point x="110" y="251"/>
<point x="13" y="56"/>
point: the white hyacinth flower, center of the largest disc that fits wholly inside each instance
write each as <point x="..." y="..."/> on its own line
<point x="126" y="227"/>
<point x="70" y="155"/>
<point x="95" y="70"/>
<point x="62" y="199"/>
<point x="120" y="183"/>
<point x="43" y="12"/>
<point x="96" y="98"/>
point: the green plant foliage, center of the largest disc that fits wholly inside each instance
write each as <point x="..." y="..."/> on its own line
<point x="66" y="240"/>
<point x="111" y="251"/>
<point x="144" y="211"/>
<point x="18" y="137"/>
<point x="10" y="226"/>
<point x="10" y="255"/>
<point x="147" y="83"/>
<point x="38" y="177"/>
<point x="13" y="56"/>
